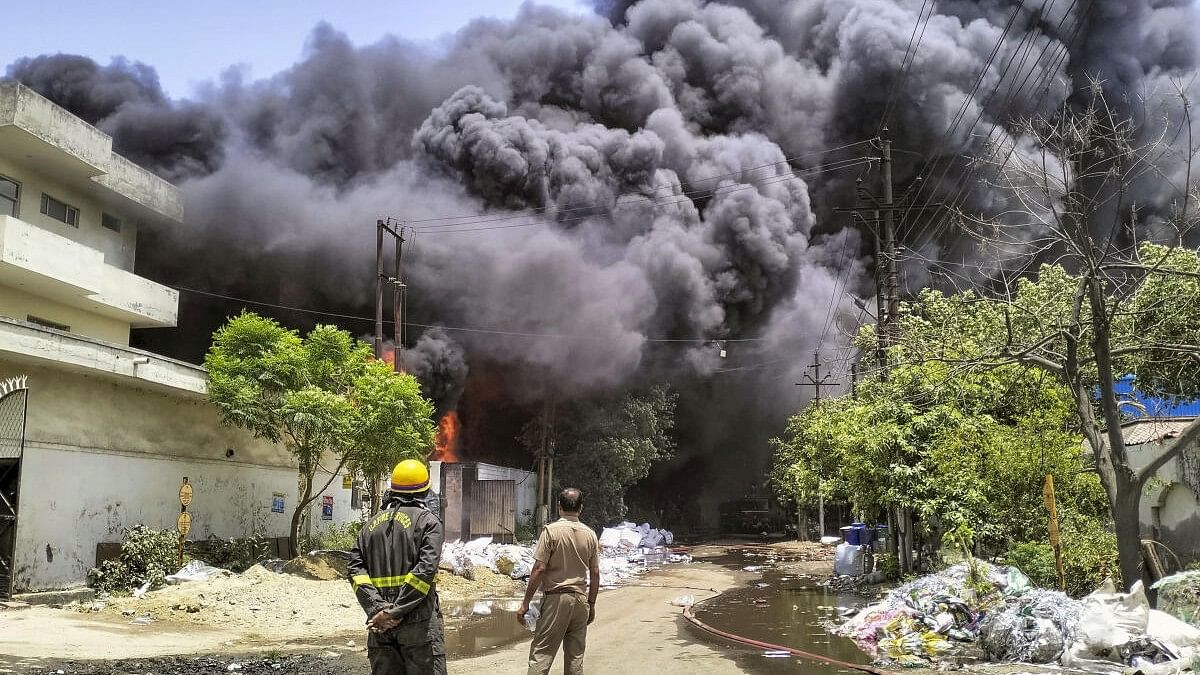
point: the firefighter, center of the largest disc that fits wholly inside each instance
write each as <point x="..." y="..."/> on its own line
<point x="392" y="569"/>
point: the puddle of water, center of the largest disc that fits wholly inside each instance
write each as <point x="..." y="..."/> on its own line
<point x="484" y="626"/>
<point x="787" y="611"/>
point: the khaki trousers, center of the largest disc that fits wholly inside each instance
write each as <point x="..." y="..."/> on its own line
<point x="564" y="621"/>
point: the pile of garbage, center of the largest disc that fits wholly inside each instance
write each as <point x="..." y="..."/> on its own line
<point x="991" y="612"/>
<point x="625" y="551"/>
<point x="461" y="558"/>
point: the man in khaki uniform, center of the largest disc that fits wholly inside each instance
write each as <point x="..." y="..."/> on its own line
<point x="567" y="556"/>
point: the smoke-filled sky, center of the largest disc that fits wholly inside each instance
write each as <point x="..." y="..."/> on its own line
<point x="627" y="184"/>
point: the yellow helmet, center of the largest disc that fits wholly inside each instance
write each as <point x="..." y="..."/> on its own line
<point x="410" y="476"/>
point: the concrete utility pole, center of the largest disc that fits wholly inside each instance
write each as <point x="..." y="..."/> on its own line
<point x="889" y="239"/>
<point x="398" y="293"/>
<point x="816" y="381"/>
<point x="379" y="289"/>
<point x="398" y="289"/>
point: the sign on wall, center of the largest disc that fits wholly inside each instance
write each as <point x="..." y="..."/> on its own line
<point x="277" y="503"/>
<point x="327" y="507"/>
<point x="347" y="482"/>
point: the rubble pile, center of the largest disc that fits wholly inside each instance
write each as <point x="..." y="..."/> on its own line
<point x="625" y="551"/>
<point x="993" y="612"/>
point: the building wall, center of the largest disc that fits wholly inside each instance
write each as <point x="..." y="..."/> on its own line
<point x="118" y="248"/>
<point x="1169" y="511"/>
<point x="73" y="499"/>
<point x="102" y="456"/>
<point x="75" y="409"/>
<point x="21" y="305"/>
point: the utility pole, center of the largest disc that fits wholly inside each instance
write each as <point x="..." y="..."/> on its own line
<point x="889" y="239"/>
<point x="816" y="381"/>
<point x="882" y="218"/>
<point x="398" y="293"/>
<point x="398" y="289"/>
<point x="379" y="289"/>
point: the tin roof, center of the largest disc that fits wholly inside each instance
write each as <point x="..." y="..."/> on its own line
<point x="1137" y="405"/>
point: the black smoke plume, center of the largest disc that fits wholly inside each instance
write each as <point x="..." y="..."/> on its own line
<point x="635" y="186"/>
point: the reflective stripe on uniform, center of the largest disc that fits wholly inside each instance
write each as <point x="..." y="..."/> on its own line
<point x="409" y="579"/>
<point x="360" y="580"/>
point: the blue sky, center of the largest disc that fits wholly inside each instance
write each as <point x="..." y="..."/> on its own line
<point x="189" y="42"/>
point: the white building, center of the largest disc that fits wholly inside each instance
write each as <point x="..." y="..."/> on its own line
<point x="111" y="431"/>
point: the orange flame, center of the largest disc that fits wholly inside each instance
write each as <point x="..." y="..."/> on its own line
<point x="445" y="444"/>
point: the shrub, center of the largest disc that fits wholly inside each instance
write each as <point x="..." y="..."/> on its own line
<point x="334" y="538"/>
<point x="146" y="556"/>
<point x="236" y="555"/>
<point x="1089" y="557"/>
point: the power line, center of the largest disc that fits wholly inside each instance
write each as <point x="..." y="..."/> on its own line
<point x="469" y="219"/>
<point x="675" y="199"/>
<point x="464" y="329"/>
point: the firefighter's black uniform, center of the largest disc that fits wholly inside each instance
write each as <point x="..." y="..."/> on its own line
<point x="392" y="568"/>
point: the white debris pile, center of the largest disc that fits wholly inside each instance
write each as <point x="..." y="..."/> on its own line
<point x="625" y="551"/>
<point x="461" y="558"/>
<point x="628" y="537"/>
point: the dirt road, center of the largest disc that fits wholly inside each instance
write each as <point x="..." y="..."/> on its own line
<point x="635" y="624"/>
<point x="638" y="630"/>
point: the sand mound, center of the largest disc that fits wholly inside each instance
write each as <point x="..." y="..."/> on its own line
<point x="317" y="566"/>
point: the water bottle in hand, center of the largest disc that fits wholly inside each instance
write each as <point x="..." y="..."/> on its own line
<point x="531" y="618"/>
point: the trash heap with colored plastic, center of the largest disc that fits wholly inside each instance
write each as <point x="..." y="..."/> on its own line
<point x="977" y="611"/>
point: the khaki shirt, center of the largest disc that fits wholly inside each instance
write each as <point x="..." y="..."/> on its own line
<point x="567" y="548"/>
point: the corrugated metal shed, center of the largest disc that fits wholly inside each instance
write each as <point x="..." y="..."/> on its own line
<point x="1147" y="406"/>
<point x="482" y="500"/>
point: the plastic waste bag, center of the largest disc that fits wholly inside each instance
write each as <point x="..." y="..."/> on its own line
<point x="1109" y="620"/>
<point x="610" y="537"/>
<point x="196" y="570"/>
<point x="849" y="560"/>
<point x="531" y="618"/>
<point x="684" y="600"/>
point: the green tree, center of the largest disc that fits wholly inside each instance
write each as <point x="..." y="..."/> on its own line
<point x="605" y="445"/>
<point x="944" y="448"/>
<point x="320" y="396"/>
<point x="391" y="422"/>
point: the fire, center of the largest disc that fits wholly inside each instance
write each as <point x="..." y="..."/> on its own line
<point x="445" y="444"/>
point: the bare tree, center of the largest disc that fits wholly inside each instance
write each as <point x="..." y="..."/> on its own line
<point x="1091" y="201"/>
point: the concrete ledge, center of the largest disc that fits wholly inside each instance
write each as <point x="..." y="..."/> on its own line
<point x="80" y="594"/>
<point x="80" y="353"/>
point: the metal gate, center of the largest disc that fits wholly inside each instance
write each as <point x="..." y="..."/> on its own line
<point x="493" y="511"/>
<point x="13" y="402"/>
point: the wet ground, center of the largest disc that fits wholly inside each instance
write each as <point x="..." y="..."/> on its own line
<point x="781" y="604"/>
<point x="784" y="608"/>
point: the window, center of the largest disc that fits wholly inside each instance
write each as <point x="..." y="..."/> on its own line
<point x="46" y="323"/>
<point x="10" y="196"/>
<point x="60" y="211"/>
<point x="110" y="221"/>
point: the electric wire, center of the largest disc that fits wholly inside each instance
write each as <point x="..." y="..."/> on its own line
<point x="657" y="202"/>
<point x="471" y="219"/>
<point x="464" y="329"/>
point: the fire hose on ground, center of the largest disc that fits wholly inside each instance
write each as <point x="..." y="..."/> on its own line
<point x="691" y="617"/>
